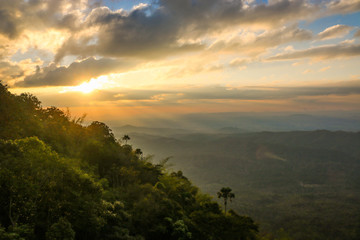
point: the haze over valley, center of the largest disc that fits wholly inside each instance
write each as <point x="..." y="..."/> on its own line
<point x="299" y="182"/>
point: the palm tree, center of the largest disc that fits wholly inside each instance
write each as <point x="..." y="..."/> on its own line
<point x="226" y="194"/>
<point x="139" y="152"/>
<point x="126" y="138"/>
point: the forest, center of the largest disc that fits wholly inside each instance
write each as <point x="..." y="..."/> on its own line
<point x="63" y="179"/>
<point x="297" y="185"/>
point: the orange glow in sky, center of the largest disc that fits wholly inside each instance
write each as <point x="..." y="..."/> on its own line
<point x="101" y="82"/>
<point x="179" y="57"/>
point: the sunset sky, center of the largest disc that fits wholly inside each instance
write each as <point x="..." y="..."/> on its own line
<point x="117" y="58"/>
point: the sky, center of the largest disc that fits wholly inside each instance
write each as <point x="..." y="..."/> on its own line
<point x="115" y="59"/>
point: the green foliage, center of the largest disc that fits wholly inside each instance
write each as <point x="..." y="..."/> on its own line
<point x="306" y="183"/>
<point x="226" y="194"/>
<point x="22" y="232"/>
<point x="60" y="179"/>
<point x="60" y="230"/>
<point x="40" y="187"/>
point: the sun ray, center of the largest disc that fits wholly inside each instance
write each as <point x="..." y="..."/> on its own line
<point x="88" y="87"/>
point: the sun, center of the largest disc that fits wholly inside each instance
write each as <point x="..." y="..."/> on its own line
<point x="90" y="86"/>
<point x="87" y="87"/>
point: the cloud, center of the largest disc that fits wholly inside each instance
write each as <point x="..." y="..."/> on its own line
<point x="177" y="26"/>
<point x="216" y="14"/>
<point x="239" y="63"/>
<point x="173" y="96"/>
<point x="12" y="72"/>
<point x="166" y="20"/>
<point x="191" y="68"/>
<point x="9" y="71"/>
<point x="8" y="24"/>
<point x="218" y="97"/>
<point x="18" y="15"/>
<point x="357" y="34"/>
<point x="74" y="74"/>
<point x="271" y="93"/>
<point x="322" y="52"/>
<point x="343" y="6"/>
<point x="263" y="41"/>
<point x="159" y="30"/>
<point x="336" y="31"/>
<point x="324" y="69"/>
<point x="133" y="34"/>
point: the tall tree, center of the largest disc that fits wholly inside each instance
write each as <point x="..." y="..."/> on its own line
<point x="139" y="152"/>
<point x="226" y="194"/>
<point x="126" y="138"/>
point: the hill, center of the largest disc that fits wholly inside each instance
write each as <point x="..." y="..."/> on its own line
<point x="61" y="179"/>
<point x="304" y="182"/>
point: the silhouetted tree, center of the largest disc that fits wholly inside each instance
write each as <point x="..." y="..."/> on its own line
<point x="139" y="152"/>
<point x="126" y="138"/>
<point x="226" y="194"/>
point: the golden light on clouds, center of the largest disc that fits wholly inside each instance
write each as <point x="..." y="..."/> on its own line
<point x="172" y="57"/>
<point x="101" y="82"/>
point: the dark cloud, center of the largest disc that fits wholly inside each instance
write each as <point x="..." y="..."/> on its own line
<point x="322" y="52"/>
<point x="169" y="27"/>
<point x="161" y="29"/>
<point x="130" y="34"/>
<point x="204" y="15"/>
<point x="74" y="74"/>
<point x="8" y="24"/>
<point x="343" y="6"/>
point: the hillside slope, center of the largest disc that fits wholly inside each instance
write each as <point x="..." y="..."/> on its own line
<point x="61" y="179"/>
<point x="307" y="183"/>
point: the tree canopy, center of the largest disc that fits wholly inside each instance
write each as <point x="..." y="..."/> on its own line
<point x="61" y="179"/>
<point x="226" y="194"/>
